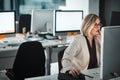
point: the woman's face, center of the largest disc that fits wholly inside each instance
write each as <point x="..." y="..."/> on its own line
<point x="96" y="28"/>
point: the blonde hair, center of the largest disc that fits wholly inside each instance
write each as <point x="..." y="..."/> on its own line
<point x="87" y="22"/>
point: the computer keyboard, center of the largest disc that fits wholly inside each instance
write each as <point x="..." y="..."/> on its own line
<point x="47" y="36"/>
<point x="13" y="44"/>
<point x="66" y="76"/>
<point x="50" y="37"/>
<point x="34" y="39"/>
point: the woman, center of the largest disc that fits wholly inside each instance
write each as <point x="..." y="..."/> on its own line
<point x="84" y="51"/>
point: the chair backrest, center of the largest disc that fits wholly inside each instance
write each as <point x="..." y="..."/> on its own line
<point x="60" y="55"/>
<point x="64" y="76"/>
<point x="29" y="61"/>
<point x="24" y="21"/>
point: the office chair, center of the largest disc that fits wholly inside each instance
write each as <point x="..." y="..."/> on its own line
<point x="60" y="55"/>
<point x="24" y="21"/>
<point x="66" y="76"/>
<point x="29" y="61"/>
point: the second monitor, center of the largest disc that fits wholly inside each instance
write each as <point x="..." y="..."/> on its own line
<point x="42" y="21"/>
<point x="67" y="21"/>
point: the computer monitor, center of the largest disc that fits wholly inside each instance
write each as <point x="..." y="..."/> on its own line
<point x="110" y="52"/>
<point x="7" y="23"/>
<point x="67" y="21"/>
<point x="42" y="21"/>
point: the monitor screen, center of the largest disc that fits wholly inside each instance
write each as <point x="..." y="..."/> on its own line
<point x="42" y="21"/>
<point x="7" y="22"/>
<point x="68" y="20"/>
<point x="110" y="52"/>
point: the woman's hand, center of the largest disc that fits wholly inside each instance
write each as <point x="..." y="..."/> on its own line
<point x="74" y="72"/>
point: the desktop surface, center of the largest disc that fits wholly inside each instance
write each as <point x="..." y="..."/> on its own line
<point x="95" y="73"/>
<point x="13" y="41"/>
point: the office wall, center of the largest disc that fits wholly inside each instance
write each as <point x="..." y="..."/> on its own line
<point x="7" y="5"/>
<point x="94" y="6"/>
<point x="88" y="6"/>
<point x="76" y="5"/>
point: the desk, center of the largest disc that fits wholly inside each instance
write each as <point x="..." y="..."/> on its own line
<point x="95" y="73"/>
<point x="47" y="44"/>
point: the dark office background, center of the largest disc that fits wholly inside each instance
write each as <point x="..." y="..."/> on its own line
<point x="106" y="8"/>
